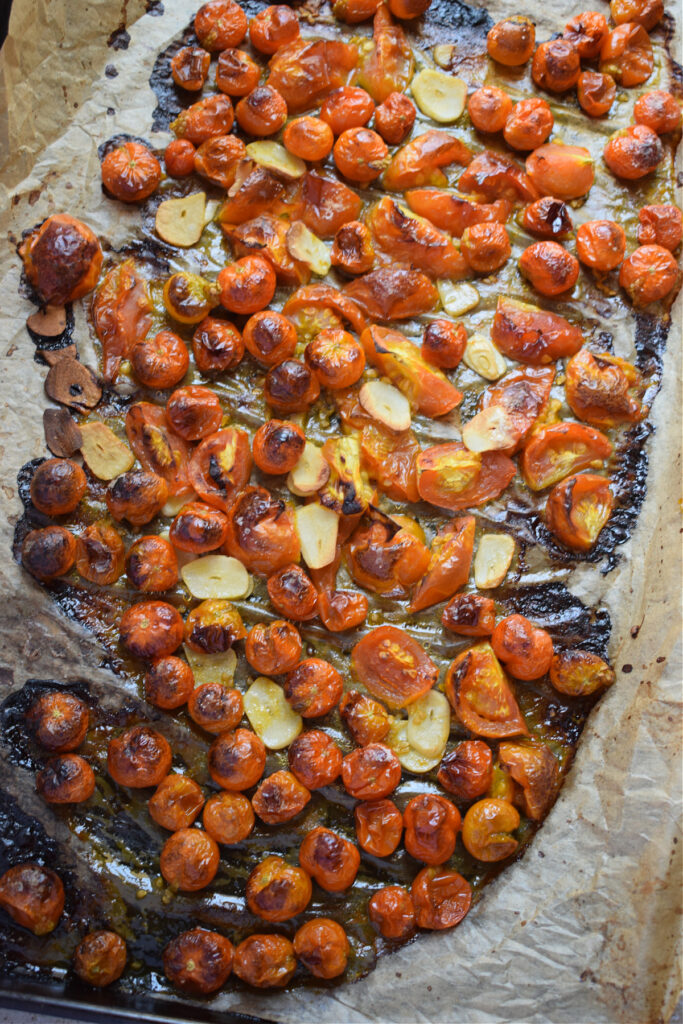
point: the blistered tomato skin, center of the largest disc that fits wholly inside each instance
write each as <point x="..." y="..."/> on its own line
<point x="48" y="553"/>
<point x="648" y="274"/>
<point x="237" y="760"/>
<point x="169" y="682"/>
<point x="59" y="721"/>
<point x="525" y="649"/>
<point x="33" y="896"/>
<point x="215" y="708"/>
<point x="220" y="24"/>
<point x="276" y="891"/>
<point x="371" y="772"/>
<point x="511" y="41"/>
<point x="189" y="860"/>
<point x="441" y="898"/>
<point x="265" y="961"/>
<point x="578" y="508"/>
<point x="228" y="817"/>
<point x="379" y="826"/>
<point x="322" y="947"/>
<point x="131" y="172"/>
<point x="467" y="770"/>
<point x="189" y="68"/>
<point x="331" y="860"/>
<point x="176" y="802"/>
<point x="139" y="757"/>
<point x="596" y="92"/>
<point x="660" y="225"/>
<point x="66" y="779"/>
<point x="151" y="629"/>
<point x="279" y="798"/>
<point x="198" y="961"/>
<point x="100" y="958"/>
<point x="315" y="759"/>
<point x="392" y="912"/>
<point x="431" y="826"/>
<point x="62" y="259"/>
<point x="57" y="486"/>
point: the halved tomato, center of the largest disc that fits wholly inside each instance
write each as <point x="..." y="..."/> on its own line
<point x="393" y="667"/>
<point x="325" y="297"/>
<point x="159" y="450"/>
<point x="220" y="467"/>
<point x="536" y="770"/>
<point x="385" y="559"/>
<point x="347" y="490"/>
<point x="261" y="532"/>
<point x="453" y="213"/>
<point x="260" y="192"/>
<point x="603" y="389"/>
<point x="554" y="452"/>
<point x="414" y="241"/>
<point x="266" y="236"/>
<point x="426" y="387"/>
<point x="451" y="477"/>
<point x="420" y="161"/>
<point x="121" y="314"/>
<point x="449" y="564"/>
<point x="327" y="205"/>
<point x="393" y="293"/>
<point x="578" y="508"/>
<point x="523" y="394"/>
<point x="493" y="176"/>
<point x="481" y="696"/>
<point x="533" y="335"/>
<point x="388" y="64"/>
<point x="389" y="460"/>
<point x="305" y="71"/>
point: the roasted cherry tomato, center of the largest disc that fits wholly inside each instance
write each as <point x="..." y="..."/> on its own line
<point x="643" y="12"/>
<point x="66" y="779"/>
<point x="470" y="615"/>
<point x="633" y="152"/>
<point x="441" y="898"/>
<point x="151" y="629"/>
<point x="603" y="389"/>
<point x="601" y="244"/>
<point x="431" y="824"/>
<point x="559" y="449"/>
<point x="535" y="769"/>
<point x="392" y="912"/>
<point x="278" y="446"/>
<point x="511" y="41"/>
<point x="205" y="119"/>
<point x="270" y="337"/>
<point x="520" y="397"/>
<point x="393" y="293"/>
<point x="313" y="688"/>
<point x="419" y="162"/>
<point x="489" y="108"/>
<point x="454" y="213"/>
<point x="365" y="718"/>
<point x="261" y="532"/>
<point x="168" y="682"/>
<point x="215" y="707"/>
<point x="626" y="55"/>
<point x="587" y="32"/>
<point x="580" y="673"/>
<point x="451" y="477"/>
<point x="314" y="759"/>
<point x="62" y="259"/>
<point x="189" y="68"/>
<point x="379" y="826"/>
<point x="280" y="798"/>
<point x="495" y="177"/>
<point x="273" y="27"/>
<point x="236" y="73"/>
<point x="292" y="593"/>
<point x="323" y="297"/>
<point x="159" y="450"/>
<point x="660" y="225"/>
<point x="100" y="554"/>
<point x="556" y="65"/>
<point x="337" y="359"/>
<point x="151" y="564"/>
<point x="596" y="92"/>
<point x="265" y="961"/>
<point x="340" y="610"/>
<point x="328" y="205"/>
<point x="237" y="760"/>
<point x="322" y="947"/>
<point x="193" y="412"/>
<point x="59" y="721"/>
<point x="58" y="485"/>
<point x="228" y="818"/>
<point x="261" y="112"/>
<point x="137" y="496"/>
<point x="532" y="335"/>
<point x="100" y="958"/>
<point x="658" y="110"/>
<point x="371" y="772"/>
<point x="360" y="154"/>
<point x="220" y="467"/>
<point x="387" y="66"/>
<point x="525" y="650"/>
<point x="248" y="285"/>
<point x="467" y="770"/>
<point x="449" y="564"/>
<point x="354" y="11"/>
<point x="213" y="627"/>
<point x="217" y="345"/>
<point x="161" y="361"/>
<point x="48" y="553"/>
<point x="393" y="666"/>
<point x="138" y="758"/>
<point x="443" y="343"/>
<point x="121" y="313"/>
<point x="131" y="172"/>
<point x="217" y="159"/>
<point x="347" y="107"/>
<point x="176" y="802"/>
<point x="549" y="267"/>
<point x="198" y="961"/>
<point x="331" y="860"/>
<point x="427" y="389"/>
<point x="188" y="298"/>
<point x="309" y="138"/>
<point x="481" y="696"/>
<point x="276" y="891"/>
<point x="487" y="828"/>
<point x="578" y="508"/>
<point x="394" y="118"/>
<point x="220" y="24"/>
<point x="189" y="860"/>
<point x="198" y="528"/>
<point x="413" y="240"/>
<point x="273" y="648"/>
<point x="291" y="386"/>
<point x="33" y="896"/>
<point x="648" y="274"/>
<point x="529" y="124"/>
<point x="486" y="247"/>
<point x="547" y="218"/>
<point x="565" y="172"/>
<point x="179" y="158"/>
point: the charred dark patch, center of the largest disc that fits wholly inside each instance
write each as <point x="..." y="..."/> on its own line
<point x="154" y="8"/>
<point x="21" y="748"/>
<point x="170" y="99"/>
<point x="570" y="622"/>
<point x="119" y="39"/>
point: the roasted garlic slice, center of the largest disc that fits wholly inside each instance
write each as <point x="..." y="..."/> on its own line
<point x="271" y="717"/>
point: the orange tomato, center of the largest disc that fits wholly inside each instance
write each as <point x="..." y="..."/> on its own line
<point x="633" y="152"/>
<point x="481" y="695"/>
<point x="451" y="477"/>
<point x="352" y="250"/>
<point x="213" y="627"/>
<point x="328" y="205"/>
<point x="217" y="159"/>
<point x="159" y="450"/>
<point x="189" y="860"/>
<point x="393" y="293"/>
<point x="326" y="64"/>
<point x="419" y="162"/>
<point x="292" y="593"/>
<point x="138" y="758"/>
<point x="467" y="770"/>
<point x="33" y="896"/>
<point x="237" y="760"/>
<point x="365" y="718"/>
<point x="487" y="828"/>
<point x="556" y="65"/>
<point x="58" y="721"/>
<point x="393" y="666"/>
<point x="489" y="108"/>
<point x="431" y="823"/>
<point x="454" y="213"/>
<point x="314" y="759"/>
<point x="273" y="648"/>
<point x="392" y="913"/>
<point x="193" y="412"/>
<point x="247" y="285"/>
<point x="322" y="296"/>
<point x="261" y="532"/>
<point x="449" y="564"/>
<point x="309" y="138"/>
<point x="136" y="496"/>
<point x="131" y="172"/>
<point x="62" y="259"/>
<point x="587" y="32"/>
<point x="626" y="55"/>
<point x="415" y="242"/>
<point x="547" y="218"/>
<point x="322" y="947"/>
<point x="523" y="395"/>
<point x="427" y="389"/>
<point x="331" y="860"/>
<point x="151" y="564"/>
<point x="470" y="615"/>
<point x="578" y="508"/>
<point x="601" y="244"/>
<point x="215" y="708"/>
<point x="532" y="335"/>
<point x="388" y="65"/>
<point x="270" y="337"/>
<point x="648" y="274"/>
<point x="220" y="467"/>
<point x="347" y="107"/>
<point x="66" y="779"/>
<point x="603" y="389"/>
<point x="371" y="772"/>
<point x="443" y="343"/>
<point x="394" y="118"/>
<point x="660" y="225"/>
<point x="220" y="24"/>
<point x="354" y="11"/>
<point x="385" y="559"/>
<point x="168" y="682"/>
<point x="536" y="771"/>
<point x="486" y="247"/>
<point x="179" y="158"/>
<point x="529" y="124"/>
<point x="494" y="176"/>
<point x="340" y="610"/>
<point x="265" y="961"/>
<point x="580" y="673"/>
<point x="273" y="27"/>
<point x="205" y="119"/>
<point x="198" y="961"/>
<point x="337" y="359"/>
<point x="555" y="451"/>
<point x="100" y="554"/>
<point x="565" y="172"/>
<point x="596" y="92"/>
<point x="511" y="41"/>
<point x="525" y="649"/>
<point x="441" y="898"/>
<point x="379" y="826"/>
<point x="360" y="154"/>
<point x="161" y="361"/>
<point x="277" y="891"/>
<point x="189" y="68"/>
<point x="236" y="73"/>
<point x="228" y="818"/>
<point x="643" y="12"/>
<point x="261" y="112"/>
<point x="121" y="312"/>
<point x="278" y="446"/>
<point x="549" y="267"/>
<point x="291" y="386"/>
<point x="176" y="802"/>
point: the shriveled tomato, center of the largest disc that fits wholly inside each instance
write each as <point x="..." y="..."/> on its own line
<point x="274" y="27"/>
<point x="441" y="898"/>
<point x="279" y="798"/>
<point x="261" y="112"/>
<point x="266" y="236"/>
<point x="217" y="159"/>
<point x="379" y="826"/>
<point x="324" y="297"/>
<point x="292" y="593"/>
<point x="556" y="65"/>
<point x="208" y="117"/>
<point x="648" y="274"/>
<point x="305" y="71"/>
<point x="443" y="343"/>
<point x="526" y="650"/>
<point x="587" y="31"/>
<point x="601" y="244"/>
<point x="603" y="389"/>
<point x="487" y="828"/>
<point x="188" y="298"/>
<point x="322" y="947"/>
<point x="470" y="615"/>
<point x="627" y="55"/>
<point x="366" y="719"/>
<point x="481" y="695"/>
<point x="340" y="610"/>
<point x="547" y="218"/>
<point x="454" y="213"/>
<point x="220" y="467"/>
<point x="494" y="176"/>
<point x="330" y="859"/>
<point x="213" y="627"/>
<point x="449" y="564"/>
<point x="660" y="225"/>
<point x="659" y="110"/>
<point x="467" y="770"/>
<point x="426" y="387"/>
<point x="535" y="769"/>
<point x="419" y="162"/>
<point x="393" y="666"/>
<point x="273" y="648"/>
<point x="327" y="204"/>
<point x="580" y="673"/>
<point x="121" y="313"/>
<point x="216" y="344"/>
<point x="489" y="108"/>
<point x="315" y="759"/>
<point x="193" y="412"/>
<point x="352" y="250"/>
<point x="393" y="293"/>
<point x="555" y="451"/>
<point x="432" y="823"/>
<point x="388" y="66"/>
<point x="532" y="335"/>
<point x="261" y="531"/>
<point x="395" y="117"/>
<point x="452" y="477"/>
<point x="529" y="124"/>
<point x="220" y="24"/>
<point x="564" y="172"/>
<point x="578" y="508"/>
<point x="258" y="193"/>
<point x="596" y="92"/>
<point x="385" y="559"/>
<point x="62" y="259"/>
<point x="523" y="395"/>
<point x="416" y="242"/>
<point x="336" y="358"/>
<point x="371" y="772"/>
<point x="549" y="268"/>
<point x="159" y="450"/>
<point x="354" y="11"/>
<point x="389" y="459"/>
<point x="236" y="73"/>
<point x="392" y="912"/>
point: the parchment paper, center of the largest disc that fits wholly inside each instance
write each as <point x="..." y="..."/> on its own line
<point x="586" y="928"/>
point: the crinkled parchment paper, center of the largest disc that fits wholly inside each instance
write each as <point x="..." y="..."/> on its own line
<point x="586" y="928"/>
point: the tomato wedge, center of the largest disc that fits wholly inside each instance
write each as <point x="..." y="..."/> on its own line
<point x="389" y="460"/>
<point x="388" y="65"/>
<point x="220" y="467"/>
<point x="524" y="395"/>
<point x="481" y="696"/>
<point x="453" y="213"/>
<point x="535" y="768"/>
<point x="323" y="296"/>
<point x="532" y="335"/>
<point x="385" y="559"/>
<point x="261" y="532"/>
<point x="427" y="389"/>
<point x="121" y="313"/>
<point x="451" y="477"/>
<point x="347" y="490"/>
<point x="159" y="450"/>
<point x="420" y="161"/>
<point x="393" y="667"/>
<point x="554" y="452"/>
<point x="603" y="389"/>
<point x="449" y="565"/>
<point x="414" y="241"/>
<point x="578" y="508"/>
<point x="393" y="293"/>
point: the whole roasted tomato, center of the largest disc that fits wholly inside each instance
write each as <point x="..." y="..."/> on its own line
<point x="62" y="259"/>
<point x="261" y="532"/>
<point x="131" y="172"/>
<point x="603" y="389"/>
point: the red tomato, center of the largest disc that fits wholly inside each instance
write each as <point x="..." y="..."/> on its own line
<point x="555" y="451"/>
<point x="393" y="293"/>
<point x="394" y="667"/>
<point x="371" y="772"/>
<point x="525" y="649"/>
<point x="419" y="162"/>
<point x="220" y="467"/>
<point x="532" y="335"/>
<point x="451" y="477"/>
<point x="159" y="450"/>
<point x="494" y="176"/>
<point x="426" y="387"/>
<point x="481" y="696"/>
<point x="261" y="532"/>
<point x="306" y="70"/>
<point x="603" y="389"/>
<point x="454" y="213"/>
<point x="385" y="559"/>
<point x="449" y="565"/>
<point x="523" y="395"/>
<point x="578" y="508"/>
<point x="416" y="242"/>
<point x="441" y="898"/>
